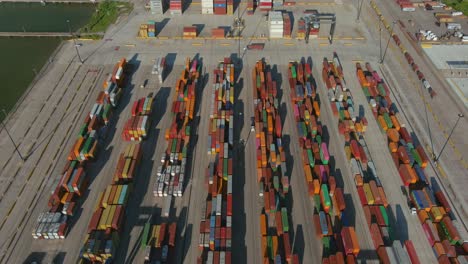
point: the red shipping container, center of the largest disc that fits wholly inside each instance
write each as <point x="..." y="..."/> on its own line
<point x="376" y="236"/>
<point x="362" y="196"/>
<point x="229" y="204"/>
<point x="411" y="252"/>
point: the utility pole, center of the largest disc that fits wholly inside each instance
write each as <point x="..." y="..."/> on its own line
<point x="359" y="10"/>
<point x="388" y="42"/>
<point x="380" y="38"/>
<point x="74" y="41"/>
<point x="8" y="133"/>
<point x="448" y="138"/>
<point x="427" y="122"/>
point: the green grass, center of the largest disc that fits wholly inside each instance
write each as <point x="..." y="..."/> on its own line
<point x="459" y="5"/>
<point x="107" y="13"/>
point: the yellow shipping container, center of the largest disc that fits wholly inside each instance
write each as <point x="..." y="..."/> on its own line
<point x="126" y="167"/>
<point x="106" y="196"/>
<point x="368" y="193"/>
<point x="117" y="194"/>
<point x="103" y="220"/>
<point x="110" y="217"/>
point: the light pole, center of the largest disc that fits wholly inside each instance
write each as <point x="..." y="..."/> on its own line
<point x="74" y="41"/>
<point x="380" y="37"/>
<point x="388" y="42"/>
<point x="427" y="121"/>
<point x="359" y="10"/>
<point x="8" y="133"/>
<point x="448" y="138"/>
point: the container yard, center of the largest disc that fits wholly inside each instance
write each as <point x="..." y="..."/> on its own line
<point x="196" y="132"/>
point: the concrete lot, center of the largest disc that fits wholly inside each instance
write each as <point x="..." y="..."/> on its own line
<point x="57" y="104"/>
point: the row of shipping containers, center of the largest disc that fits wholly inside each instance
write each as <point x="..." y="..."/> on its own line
<point x="137" y="126"/>
<point x="407" y="55"/>
<point x="103" y="232"/>
<point x="73" y="182"/>
<point x="271" y="168"/>
<point x="409" y="157"/>
<point x="171" y="173"/>
<point x="339" y="245"/>
<point x="215" y="236"/>
<point x="369" y="188"/>
<point x="159" y="241"/>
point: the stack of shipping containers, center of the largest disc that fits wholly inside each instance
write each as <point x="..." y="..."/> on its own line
<point x="218" y="33"/>
<point x="220" y="7"/>
<point x="265" y="5"/>
<point x="189" y="32"/>
<point x="277" y="3"/>
<point x="207" y="7"/>
<point x="287" y="26"/>
<point x="103" y="229"/>
<point x="271" y="168"/>
<point x="275" y="24"/>
<point x="230" y="7"/>
<point x="171" y="174"/>
<point x="151" y="29"/>
<point x="53" y="224"/>
<point x="301" y="28"/>
<point x="136" y="127"/>
<point x="143" y="31"/>
<point x="156" y="7"/>
<point x="175" y="7"/>
<point x="328" y="197"/>
<point x="216" y="222"/>
<point x="159" y="241"/>
<point x="410" y="159"/>
<point x="369" y="188"/>
<point x="250" y="7"/>
<point x="159" y="68"/>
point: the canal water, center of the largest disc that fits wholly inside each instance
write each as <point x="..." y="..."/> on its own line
<point x="21" y="57"/>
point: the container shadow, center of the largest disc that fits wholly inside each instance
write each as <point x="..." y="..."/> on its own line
<point x="401" y="224"/>
<point x="349" y="218"/>
<point x="170" y="61"/>
<point x="161" y="25"/>
<point x="187" y="237"/>
<point x="199" y="27"/>
<point x="299" y="244"/>
<point x="60" y="257"/>
<point x="35" y="257"/>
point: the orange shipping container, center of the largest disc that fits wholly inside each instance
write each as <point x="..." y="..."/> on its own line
<point x="393" y="147"/>
<point x="308" y="173"/>
<point x="263" y="228"/>
<point x="395" y="122"/>
<point x="383" y="196"/>
<point x="393" y="135"/>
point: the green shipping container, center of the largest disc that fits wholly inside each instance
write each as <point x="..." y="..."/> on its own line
<point x="388" y="120"/>
<point x="83" y="131"/>
<point x="304" y="129"/>
<point x="276" y="182"/>
<point x="318" y="138"/>
<point x="187" y="131"/>
<point x="225" y="169"/>
<point x="184" y="151"/>
<point x="384" y="214"/>
<point x="270" y="247"/>
<point x="311" y="157"/>
<point x="174" y="146"/>
<point x="258" y="81"/>
<point x="326" y="244"/>
<point x="366" y="92"/>
<point x="275" y="103"/>
<point x="144" y="238"/>
<point x="326" y="195"/>
<point x="123" y="195"/>
<point x="341" y="115"/>
<point x="318" y="205"/>
<point x="264" y="116"/>
<point x="284" y="219"/>
<point x="416" y="156"/>
<point x="381" y="89"/>
<point x="293" y="71"/>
